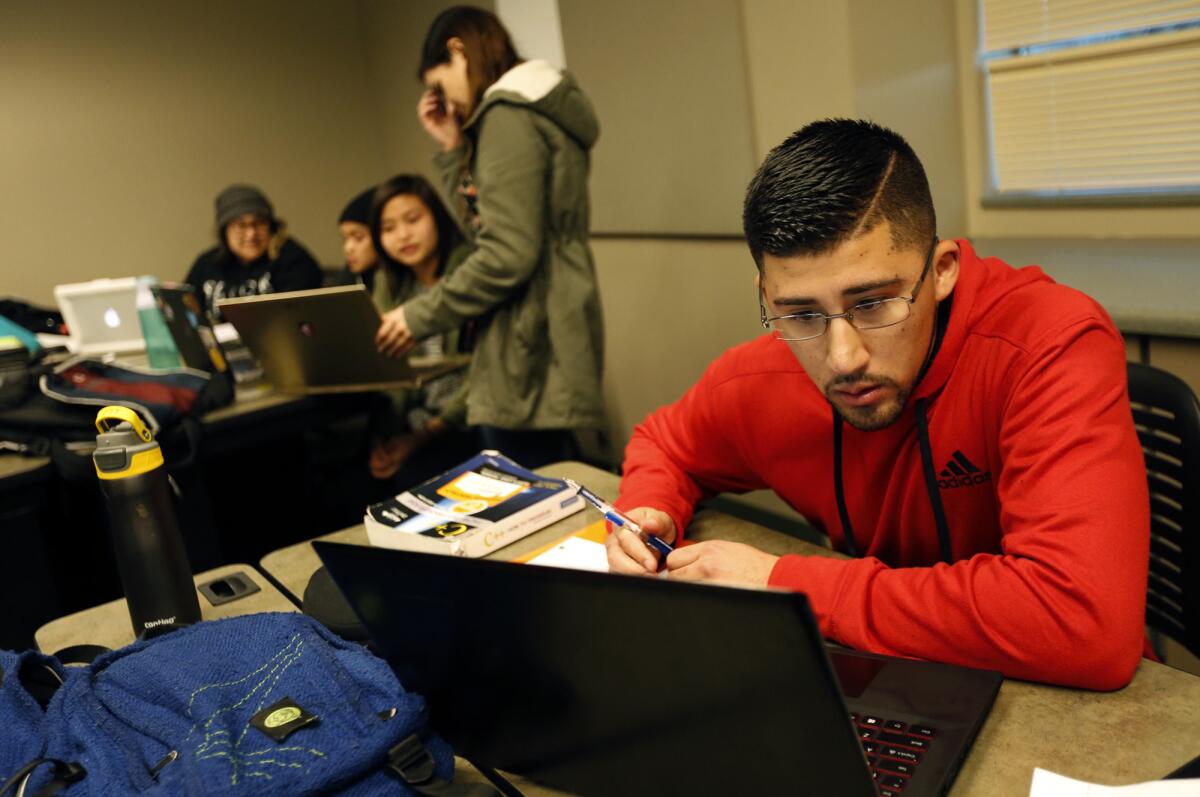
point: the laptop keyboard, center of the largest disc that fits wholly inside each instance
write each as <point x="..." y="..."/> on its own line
<point x="893" y="748"/>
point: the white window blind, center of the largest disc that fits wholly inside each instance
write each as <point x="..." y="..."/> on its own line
<point x="1093" y="97"/>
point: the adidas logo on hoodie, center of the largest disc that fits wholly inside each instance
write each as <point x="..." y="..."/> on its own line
<point x="961" y="472"/>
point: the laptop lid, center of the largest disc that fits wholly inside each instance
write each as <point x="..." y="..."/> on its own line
<point x="323" y="341"/>
<point x="101" y="315"/>
<point x="604" y="684"/>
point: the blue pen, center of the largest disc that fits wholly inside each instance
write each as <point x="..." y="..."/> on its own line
<point x="614" y="516"/>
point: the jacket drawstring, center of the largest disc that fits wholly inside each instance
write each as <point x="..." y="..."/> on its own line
<point x="839" y="492"/>
<point x="928" y="472"/>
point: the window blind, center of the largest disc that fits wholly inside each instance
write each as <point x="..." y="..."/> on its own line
<point x="1093" y="96"/>
<point x="1010" y="24"/>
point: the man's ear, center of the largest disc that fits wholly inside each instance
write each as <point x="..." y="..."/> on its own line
<point x="944" y="268"/>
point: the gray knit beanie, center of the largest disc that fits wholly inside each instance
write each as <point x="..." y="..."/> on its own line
<point x="238" y="199"/>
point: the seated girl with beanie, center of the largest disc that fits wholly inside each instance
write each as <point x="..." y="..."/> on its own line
<point x="253" y="254"/>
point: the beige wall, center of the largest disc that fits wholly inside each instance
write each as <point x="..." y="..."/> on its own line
<point x="670" y="307"/>
<point x="799" y="66"/>
<point x="122" y="120"/>
<point x="906" y="77"/>
<point x="668" y="81"/>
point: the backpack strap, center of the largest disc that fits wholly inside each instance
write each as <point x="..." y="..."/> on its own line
<point x="65" y="773"/>
<point x="415" y="766"/>
<point x="81" y="654"/>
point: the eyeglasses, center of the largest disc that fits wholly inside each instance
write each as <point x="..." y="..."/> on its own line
<point x="243" y="226"/>
<point x="869" y="314"/>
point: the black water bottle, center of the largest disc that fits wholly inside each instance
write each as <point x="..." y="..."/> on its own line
<point x="149" y="548"/>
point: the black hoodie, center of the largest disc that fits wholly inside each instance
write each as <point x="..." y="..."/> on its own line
<point x="216" y="276"/>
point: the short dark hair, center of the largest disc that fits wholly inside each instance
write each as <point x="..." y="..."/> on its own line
<point x="834" y="180"/>
<point x="449" y="235"/>
<point x="489" y="49"/>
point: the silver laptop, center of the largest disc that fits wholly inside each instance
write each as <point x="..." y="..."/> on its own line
<point x="101" y="315"/>
<point x="323" y="341"/>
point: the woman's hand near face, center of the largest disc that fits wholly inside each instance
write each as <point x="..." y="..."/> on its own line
<point x="437" y="116"/>
<point x="394" y="338"/>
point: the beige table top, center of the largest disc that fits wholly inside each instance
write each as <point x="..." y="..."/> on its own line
<point x="16" y="465"/>
<point x="109" y="625"/>
<point x="1141" y="732"/>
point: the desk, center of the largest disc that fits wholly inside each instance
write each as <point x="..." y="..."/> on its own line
<point x="108" y="624"/>
<point x="1141" y="732"/>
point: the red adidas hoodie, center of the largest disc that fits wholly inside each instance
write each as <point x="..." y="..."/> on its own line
<point x="1038" y="467"/>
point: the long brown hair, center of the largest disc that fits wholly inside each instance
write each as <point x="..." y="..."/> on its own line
<point x="488" y="48"/>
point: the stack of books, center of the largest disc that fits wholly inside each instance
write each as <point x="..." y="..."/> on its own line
<point x="471" y="510"/>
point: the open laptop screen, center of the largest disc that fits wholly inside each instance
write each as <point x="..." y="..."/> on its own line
<point x="605" y="684"/>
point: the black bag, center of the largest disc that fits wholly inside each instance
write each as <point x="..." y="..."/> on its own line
<point x="35" y="319"/>
<point x="58" y="419"/>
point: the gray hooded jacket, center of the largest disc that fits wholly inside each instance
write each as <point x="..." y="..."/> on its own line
<point x="530" y="279"/>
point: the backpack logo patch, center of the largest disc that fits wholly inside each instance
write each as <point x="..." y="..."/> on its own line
<point x="279" y="719"/>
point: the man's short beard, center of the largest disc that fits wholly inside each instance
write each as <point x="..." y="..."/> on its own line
<point x="870" y="419"/>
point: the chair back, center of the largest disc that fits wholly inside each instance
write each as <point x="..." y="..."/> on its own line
<point x="1167" y="417"/>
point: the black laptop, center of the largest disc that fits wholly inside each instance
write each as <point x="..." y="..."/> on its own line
<point x="194" y="338"/>
<point x="602" y="684"/>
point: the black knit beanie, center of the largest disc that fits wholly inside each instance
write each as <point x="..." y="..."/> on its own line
<point x="359" y="208"/>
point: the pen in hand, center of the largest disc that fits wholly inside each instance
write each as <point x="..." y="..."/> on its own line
<point x="621" y="521"/>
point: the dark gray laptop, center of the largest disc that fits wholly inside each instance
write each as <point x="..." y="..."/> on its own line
<point x="323" y="341"/>
<point x="602" y="684"/>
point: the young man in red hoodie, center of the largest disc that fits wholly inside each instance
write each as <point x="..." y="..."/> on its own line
<point x="961" y="428"/>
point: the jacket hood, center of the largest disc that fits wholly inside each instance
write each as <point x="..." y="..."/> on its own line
<point x="984" y="284"/>
<point x="542" y="87"/>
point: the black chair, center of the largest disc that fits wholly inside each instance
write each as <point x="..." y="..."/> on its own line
<point x="1167" y="417"/>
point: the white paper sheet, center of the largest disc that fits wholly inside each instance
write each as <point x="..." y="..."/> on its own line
<point x="1050" y="784"/>
<point x="575" y="553"/>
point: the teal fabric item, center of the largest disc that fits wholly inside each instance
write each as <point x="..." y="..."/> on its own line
<point x="19" y="332"/>
<point x="161" y="351"/>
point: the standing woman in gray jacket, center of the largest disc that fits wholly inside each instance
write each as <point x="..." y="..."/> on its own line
<point x="514" y="138"/>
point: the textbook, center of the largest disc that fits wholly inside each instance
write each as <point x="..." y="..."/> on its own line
<point x="472" y="509"/>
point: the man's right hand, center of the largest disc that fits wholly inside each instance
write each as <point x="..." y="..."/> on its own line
<point x="437" y="115"/>
<point x="626" y="551"/>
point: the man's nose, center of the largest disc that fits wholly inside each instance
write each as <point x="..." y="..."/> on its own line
<point x="846" y="353"/>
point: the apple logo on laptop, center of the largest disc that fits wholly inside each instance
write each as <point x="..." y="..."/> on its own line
<point x="306" y="329"/>
<point x="112" y="318"/>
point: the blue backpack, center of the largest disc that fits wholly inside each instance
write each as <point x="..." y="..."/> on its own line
<point x="252" y="705"/>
